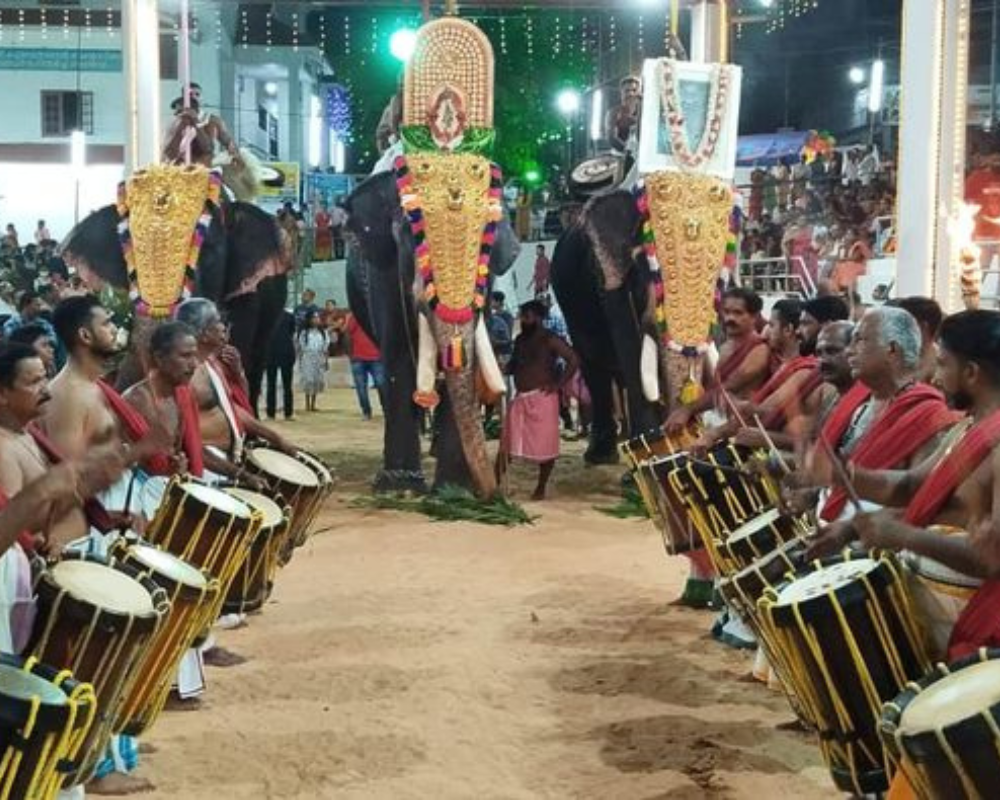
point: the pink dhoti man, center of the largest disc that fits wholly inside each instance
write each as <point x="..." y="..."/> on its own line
<point x="532" y="429"/>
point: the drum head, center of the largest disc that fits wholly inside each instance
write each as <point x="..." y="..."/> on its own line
<point x="317" y="465"/>
<point x="961" y="695"/>
<point x="20" y="685"/>
<point x="273" y="515"/>
<point x="104" y="587"/>
<point x="282" y="467"/>
<point x="825" y="580"/>
<point x="754" y="525"/>
<point x="216" y="499"/>
<point x="168" y="565"/>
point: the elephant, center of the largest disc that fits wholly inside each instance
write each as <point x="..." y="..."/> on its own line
<point x="382" y="293"/>
<point x="601" y="281"/>
<point x="242" y="266"/>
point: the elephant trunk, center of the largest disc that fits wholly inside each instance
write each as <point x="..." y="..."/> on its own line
<point x="458" y="343"/>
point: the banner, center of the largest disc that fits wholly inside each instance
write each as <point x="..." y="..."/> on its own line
<point x="282" y="183"/>
<point x="324" y="188"/>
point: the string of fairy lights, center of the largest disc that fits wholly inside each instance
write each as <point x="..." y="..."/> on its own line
<point x="517" y="29"/>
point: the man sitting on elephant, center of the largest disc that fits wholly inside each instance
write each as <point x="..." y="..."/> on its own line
<point x="532" y="429"/>
<point x="744" y="359"/>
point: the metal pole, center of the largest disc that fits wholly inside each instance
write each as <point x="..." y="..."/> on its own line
<point x="993" y="65"/>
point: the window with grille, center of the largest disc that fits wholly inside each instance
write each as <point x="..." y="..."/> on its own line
<point x="65" y="112"/>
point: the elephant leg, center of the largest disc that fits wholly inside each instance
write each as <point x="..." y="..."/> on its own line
<point x="602" y="447"/>
<point x="388" y="308"/>
<point x="623" y="322"/>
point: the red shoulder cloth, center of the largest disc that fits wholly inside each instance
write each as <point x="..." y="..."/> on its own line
<point x="734" y="361"/>
<point x="911" y="420"/>
<point x="134" y="425"/>
<point x="231" y="368"/>
<point x="93" y="510"/>
<point x="187" y="410"/>
<point x="787" y="370"/>
<point x="970" y="451"/>
<point x="979" y="623"/>
<point x="836" y="424"/>
<point x="777" y="418"/>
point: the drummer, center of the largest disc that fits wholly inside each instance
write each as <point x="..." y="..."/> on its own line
<point x="166" y="394"/>
<point x="24" y="395"/>
<point x="224" y="423"/>
<point x="786" y="404"/>
<point x="744" y="359"/>
<point x="955" y="488"/>
<point x="888" y="420"/>
<point x="87" y="412"/>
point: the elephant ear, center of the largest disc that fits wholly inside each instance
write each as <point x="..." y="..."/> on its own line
<point x="505" y="249"/>
<point x="373" y="218"/>
<point x="255" y="249"/>
<point x="612" y="223"/>
<point x="92" y="248"/>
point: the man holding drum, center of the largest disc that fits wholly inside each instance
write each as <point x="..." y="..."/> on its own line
<point x="744" y="359"/>
<point x="224" y="424"/>
<point x="957" y="489"/>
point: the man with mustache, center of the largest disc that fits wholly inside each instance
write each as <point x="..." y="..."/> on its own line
<point x="888" y="419"/>
<point x="744" y="359"/>
<point x="24" y="395"/>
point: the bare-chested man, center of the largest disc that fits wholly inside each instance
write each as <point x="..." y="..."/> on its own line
<point x="532" y="428"/>
<point x="958" y="487"/>
<point x="78" y="417"/>
<point x="224" y="424"/>
<point x="889" y="419"/>
<point x="744" y="358"/>
<point x="24" y="394"/>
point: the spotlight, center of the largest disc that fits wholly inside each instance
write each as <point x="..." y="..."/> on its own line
<point x="402" y="43"/>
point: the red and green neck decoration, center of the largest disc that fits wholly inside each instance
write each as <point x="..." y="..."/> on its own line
<point x="164" y="273"/>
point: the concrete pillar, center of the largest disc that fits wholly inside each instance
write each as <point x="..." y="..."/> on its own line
<point x="709" y="34"/>
<point x="934" y="80"/>
<point x="298" y="111"/>
<point x="141" y="50"/>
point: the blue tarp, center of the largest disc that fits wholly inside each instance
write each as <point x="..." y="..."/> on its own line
<point x="767" y="149"/>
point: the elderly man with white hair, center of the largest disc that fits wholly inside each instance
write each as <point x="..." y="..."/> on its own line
<point x="224" y="422"/>
<point x="887" y="420"/>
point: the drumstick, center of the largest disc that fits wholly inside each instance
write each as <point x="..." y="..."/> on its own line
<point x="838" y="467"/>
<point x="770" y="443"/>
<point x="732" y="406"/>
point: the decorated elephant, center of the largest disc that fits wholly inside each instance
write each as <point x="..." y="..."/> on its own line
<point x="172" y="235"/>
<point x="429" y="234"/>
<point x="618" y="298"/>
<point x="389" y="301"/>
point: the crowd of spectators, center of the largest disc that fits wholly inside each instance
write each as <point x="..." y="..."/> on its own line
<point x="819" y="222"/>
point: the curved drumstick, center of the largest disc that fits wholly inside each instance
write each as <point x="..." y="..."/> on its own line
<point x="838" y="467"/>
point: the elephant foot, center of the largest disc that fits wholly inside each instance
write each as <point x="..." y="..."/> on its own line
<point x="400" y="480"/>
<point x="601" y="454"/>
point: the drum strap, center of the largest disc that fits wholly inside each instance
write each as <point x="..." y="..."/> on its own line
<point x="222" y="394"/>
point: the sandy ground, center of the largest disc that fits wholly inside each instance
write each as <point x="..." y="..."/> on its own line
<point x="399" y="658"/>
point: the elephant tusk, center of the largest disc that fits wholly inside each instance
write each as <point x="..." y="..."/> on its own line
<point x="487" y="361"/>
<point x="711" y="358"/>
<point x="426" y="395"/>
<point x="649" y="369"/>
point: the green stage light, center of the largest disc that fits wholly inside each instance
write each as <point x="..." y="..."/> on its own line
<point x="402" y="43"/>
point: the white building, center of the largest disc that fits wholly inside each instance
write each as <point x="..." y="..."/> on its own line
<point x="61" y="69"/>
